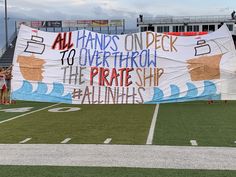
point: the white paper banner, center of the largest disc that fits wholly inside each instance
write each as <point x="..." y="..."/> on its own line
<point x="84" y="67"/>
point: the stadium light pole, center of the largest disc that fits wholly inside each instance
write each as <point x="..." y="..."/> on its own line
<point x="6" y="25"/>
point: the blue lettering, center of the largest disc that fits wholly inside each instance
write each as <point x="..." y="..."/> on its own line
<point x="154" y="61"/>
<point x="115" y="54"/>
<point x="89" y="40"/>
<point x="79" y="38"/>
<point x="98" y="41"/>
<point x="133" y="56"/>
<point x="91" y="57"/>
<point x="114" y="38"/>
<point x="145" y="55"/>
<point x="83" y="57"/>
<point x="106" y="43"/>
<point x="98" y="57"/>
<point x="105" y="57"/>
<point x="124" y="59"/>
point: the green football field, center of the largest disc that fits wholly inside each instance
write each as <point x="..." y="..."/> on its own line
<point x="92" y="124"/>
<point x="40" y="171"/>
<point x="209" y="125"/>
<point x="177" y="124"/>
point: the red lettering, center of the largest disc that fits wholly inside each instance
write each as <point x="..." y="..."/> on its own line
<point x="93" y="73"/>
<point x="122" y="75"/>
<point x="127" y="76"/>
<point x="57" y="42"/>
<point x="101" y="76"/>
<point x="114" y="75"/>
<point x="61" y="43"/>
<point x="106" y="72"/>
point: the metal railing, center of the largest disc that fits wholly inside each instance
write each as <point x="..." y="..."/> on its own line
<point x="186" y="19"/>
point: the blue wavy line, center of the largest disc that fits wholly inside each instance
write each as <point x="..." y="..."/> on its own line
<point x="56" y="95"/>
<point x="209" y="93"/>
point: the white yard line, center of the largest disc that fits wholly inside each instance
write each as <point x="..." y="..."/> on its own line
<point x="65" y="140"/>
<point x="107" y="141"/>
<point x="28" y="113"/>
<point x="136" y="156"/>
<point x="152" y="127"/>
<point x="193" y="142"/>
<point x="24" y="141"/>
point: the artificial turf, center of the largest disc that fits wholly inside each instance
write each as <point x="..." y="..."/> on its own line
<point x="49" y="171"/>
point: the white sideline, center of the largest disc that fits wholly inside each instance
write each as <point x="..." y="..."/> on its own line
<point x="136" y="156"/>
<point x="24" y="141"/>
<point x="152" y="127"/>
<point x="28" y="113"/>
<point x="65" y="140"/>
<point x="107" y="141"/>
<point x="193" y="142"/>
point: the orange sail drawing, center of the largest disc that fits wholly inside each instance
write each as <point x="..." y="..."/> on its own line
<point x="31" y="68"/>
<point x="205" y="67"/>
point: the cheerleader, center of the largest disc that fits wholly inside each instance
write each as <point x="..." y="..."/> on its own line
<point x="3" y="86"/>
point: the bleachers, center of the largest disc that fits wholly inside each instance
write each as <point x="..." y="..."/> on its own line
<point x="7" y="58"/>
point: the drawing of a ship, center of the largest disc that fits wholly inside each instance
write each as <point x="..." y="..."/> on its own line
<point x="35" y="46"/>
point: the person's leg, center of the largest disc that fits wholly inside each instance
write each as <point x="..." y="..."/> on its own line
<point x="210" y="101"/>
<point x="1" y="96"/>
<point x="4" y="94"/>
<point x="8" y="82"/>
<point x="8" y="96"/>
